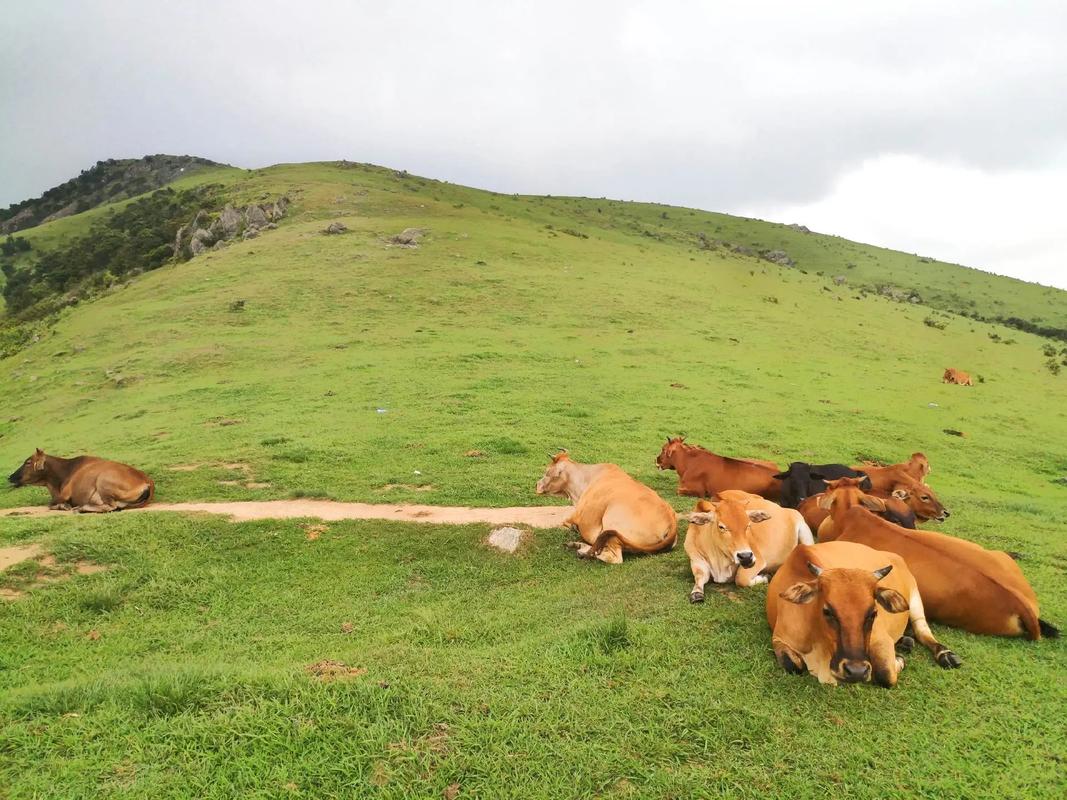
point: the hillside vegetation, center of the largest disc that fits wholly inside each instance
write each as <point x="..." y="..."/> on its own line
<point x="105" y="182"/>
<point x="301" y="364"/>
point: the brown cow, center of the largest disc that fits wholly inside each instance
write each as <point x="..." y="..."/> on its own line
<point x="613" y="513"/>
<point x="957" y="376"/>
<point x="87" y="484"/>
<point x="918" y="496"/>
<point x="886" y="476"/>
<point x="962" y="584"/>
<point x="702" y="473"/>
<point x="723" y="545"/>
<point x="832" y="626"/>
<point x="896" y="511"/>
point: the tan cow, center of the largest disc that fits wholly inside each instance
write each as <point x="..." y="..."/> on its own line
<point x="613" y="513"/>
<point x="86" y="483"/>
<point x="741" y="538"/>
<point x="962" y="584"/>
<point x="844" y="626"/>
<point x="957" y="376"/>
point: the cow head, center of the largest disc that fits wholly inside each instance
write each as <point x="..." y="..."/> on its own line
<point x="844" y="493"/>
<point x="848" y="602"/>
<point x="949" y="376"/>
<point x="667" y="453"/>
<point x="731" y="528"/>
<point x="922" y="500"/>
<point x="555" y="479"/>
<point x="31" y="472"/>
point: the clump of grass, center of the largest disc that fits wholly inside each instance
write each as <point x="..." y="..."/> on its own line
<point x="612" y="636"/>
<point x="102" y="601"/>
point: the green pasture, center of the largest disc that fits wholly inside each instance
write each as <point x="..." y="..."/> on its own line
<point x="445" y="374"/>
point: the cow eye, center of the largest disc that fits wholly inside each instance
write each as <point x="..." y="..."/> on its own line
<point x="828" y="612"/>
<point x="924" y="498"/>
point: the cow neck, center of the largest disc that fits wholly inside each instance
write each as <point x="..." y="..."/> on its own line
<point x="57" y="470"/>
<point x="690" y="452"/>
<point x="723" y="567"/>
<point x="579" y="478"/>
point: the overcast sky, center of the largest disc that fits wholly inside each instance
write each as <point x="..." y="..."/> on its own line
<point x="937" y="128"/>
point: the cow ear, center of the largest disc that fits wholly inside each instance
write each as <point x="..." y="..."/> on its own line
<point x="758" y="515"/>
<point x="873" y="503"/>
<point x="865" y="483"/>
<point x="39" y="452"/>
<point x="901" y="494"/>
<point x="701" y="518"/>
<point x="818" y="476"/>
<point x="826" y="501"/>
<point x="891" y="600"/>
<point x="800" y="593"/>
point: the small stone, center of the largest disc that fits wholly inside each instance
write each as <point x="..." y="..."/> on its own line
<point x="506" y="540"/>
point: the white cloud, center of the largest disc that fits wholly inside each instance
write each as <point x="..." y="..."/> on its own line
<point x="718" y="105"/>
<point x="1008" y="222"/>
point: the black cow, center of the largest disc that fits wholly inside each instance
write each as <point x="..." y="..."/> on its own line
<point x="803" y="480"/>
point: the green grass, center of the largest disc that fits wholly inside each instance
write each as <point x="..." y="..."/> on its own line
<point x="530" y="676"/>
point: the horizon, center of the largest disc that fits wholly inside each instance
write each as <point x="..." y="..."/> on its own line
<point x="938" y="131"/>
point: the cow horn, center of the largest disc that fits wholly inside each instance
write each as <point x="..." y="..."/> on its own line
<point x="814" y="569"/>
<point x="881" y="573"/>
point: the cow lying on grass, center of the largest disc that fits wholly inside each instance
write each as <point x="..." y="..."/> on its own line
<point x="962" y="584"/>
<point x="702" y="473"/>
<point x="838" y="610"/>
<point x="613" y="513"/>
<point x="86" y="483"/>
<point x="957" y="376"/>
<point x="741" y="538"/>
<point x="802" y="480"/>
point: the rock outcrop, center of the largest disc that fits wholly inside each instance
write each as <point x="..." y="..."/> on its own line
<point x="205" y="233"/>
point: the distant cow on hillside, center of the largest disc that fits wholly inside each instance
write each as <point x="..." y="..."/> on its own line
<point x="957" y="376"/>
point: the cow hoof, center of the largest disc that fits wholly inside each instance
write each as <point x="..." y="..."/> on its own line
<point x="572" y="545"/>
<point x="696" y="597"/>
<point x="905" y="644"/>
<point x="946" y="659"/>
<point x="791" y="667"/>
<point x="900" y="663"/>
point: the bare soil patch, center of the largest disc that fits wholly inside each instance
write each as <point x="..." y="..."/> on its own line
<point x="329" y="511"/>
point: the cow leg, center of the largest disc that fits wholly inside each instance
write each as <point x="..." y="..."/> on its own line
<point x="611" y="552"/>
<point x="788" y="659"/>
<point x="945" y="658"/>
<point x="701" y="576"/>
<point x="686" y="490"/>
<point x="750" y="576"/>
<point x="885" y="663"/>
<point x="94" y="508"/>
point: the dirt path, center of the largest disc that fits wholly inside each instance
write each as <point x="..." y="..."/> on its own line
<point x="327" y="510"/>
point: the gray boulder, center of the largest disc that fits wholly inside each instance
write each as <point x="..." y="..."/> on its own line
<point x="409" y="237"/>
<point x="254" y="215"/>
<point x="780" y="257"/>
<point x="335" y="228"/>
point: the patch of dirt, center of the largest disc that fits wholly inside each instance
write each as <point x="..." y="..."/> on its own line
<point x="185" y="467"/>
<point x="427" y="487"/>
<point x="17" y="553"/>
<point x="330" y="670"/>
<point x="475" y="454"/>
<point x="48" y="570"/>
<point x="330" y="511"/>
<point x="313" y="532"/>
<point x="257" y="485"/>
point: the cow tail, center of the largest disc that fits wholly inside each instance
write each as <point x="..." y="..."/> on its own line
<point x="146" y="496"/>
<point x="602" y="540"/>
<point x="1048" y="630"/>
<point x="1028" y="620"/>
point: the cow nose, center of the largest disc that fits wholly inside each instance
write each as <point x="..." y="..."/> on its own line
<point x="856" y="671"/>
<point x="745" y="558"/>
<point x="946" y="514"/>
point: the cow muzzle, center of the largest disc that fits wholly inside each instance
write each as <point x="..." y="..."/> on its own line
<point x="745" y="558"/>
<point x="855" y="671"/>
<point x="945" y="514"/>
<point x="15" y="479"/>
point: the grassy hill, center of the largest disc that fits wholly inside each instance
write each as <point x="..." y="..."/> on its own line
<point x="362" y="370"/>
<point x="105" y="182"/>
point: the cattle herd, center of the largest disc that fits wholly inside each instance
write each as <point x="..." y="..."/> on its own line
<point x="840" y="608"/>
